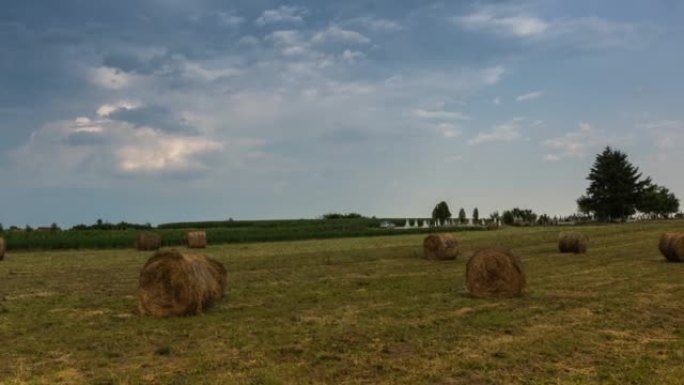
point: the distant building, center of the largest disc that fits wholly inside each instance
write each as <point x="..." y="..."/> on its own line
<point x="387" y="225"/>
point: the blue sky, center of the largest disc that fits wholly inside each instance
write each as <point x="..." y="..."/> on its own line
<point x="169" y="110"/>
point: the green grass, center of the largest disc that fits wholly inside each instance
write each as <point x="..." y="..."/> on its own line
<point x="355" y="311"/>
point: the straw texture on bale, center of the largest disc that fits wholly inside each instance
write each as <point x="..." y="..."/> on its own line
<point x="440" y="246"/>
<point x="572" y="242"/>
<point x="196" y="239"/>
<point x="176" y="284"/>
<point x="672" y="246"/>
<point x="495" y="272"/>
<point x="2" y="249"/>
<point x="148" y="241"/>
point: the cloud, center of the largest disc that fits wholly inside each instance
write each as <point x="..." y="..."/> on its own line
<point x="230" y="19"/>
<point x="92" y="148"/>
<point x="352" y="56"/>
<point x="504" y="132"/>
<point x="496" y="101"/>
<point x="134" y="61"/>
<point x="335" y="34"/>
<point x="152" y="151"/>
<point x="110" y="78"/>
<point x="580" y="33"/>
<point x="492" y="75"/>
<point x="517" y="26"/>
<point x="438" y="114"/>
<point x="158" y="117"/>
<point x="529" y="96"/>
<point x="290" y="42"/>
<point x="226" y="19"/>
<point x="669" y="134"/>
<point x="106" y="109"/>
<point x="375" y="24"/>
<point x="282" y="14"/>
<point x="449" y="131"/>
<point x="196" y="71"/>
<point x="248" y="41"/>
<point x="573" y="144"/>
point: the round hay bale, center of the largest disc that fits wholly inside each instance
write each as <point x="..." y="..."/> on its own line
<point x="492" y="226"/>
<point x="495" y="272"/>
<point x="2" y="249"/>
<point x="196" y="239"/>
<point x="147" y="241"/>
<point x="672" y="246"/>
<point x="176" y="284"/>
<point x="572" y="242"/>
<point x="440" y="246"/>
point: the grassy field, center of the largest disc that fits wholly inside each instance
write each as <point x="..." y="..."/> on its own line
<point x="356" y="311"/>
<point x="230" y="232"/>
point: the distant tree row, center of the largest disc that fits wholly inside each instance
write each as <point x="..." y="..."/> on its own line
<point x="102" y="225"/>
<point x="342" y="216"/>
<point x="442" y="213"/>
<point x="617" y="190"/>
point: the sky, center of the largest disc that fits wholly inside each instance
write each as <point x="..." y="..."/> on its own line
<point x="168" y="110"/>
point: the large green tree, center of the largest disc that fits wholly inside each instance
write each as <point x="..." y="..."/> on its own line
<point x="615" y="187"/>
<point x="441" y="212"/>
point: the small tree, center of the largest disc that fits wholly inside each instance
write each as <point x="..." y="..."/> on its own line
<point x="441" y="212"/>
<point x="462" y="216"/>
<point x="544" y="220"/>
<point x="507" y="217"/>
<point x="658" y="201"/>
<point x="476" y="215"/>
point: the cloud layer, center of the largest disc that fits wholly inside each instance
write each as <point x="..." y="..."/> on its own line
<point x="304" y="108"/>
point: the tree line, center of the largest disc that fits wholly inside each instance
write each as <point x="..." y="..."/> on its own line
<point x="616" y="191"/>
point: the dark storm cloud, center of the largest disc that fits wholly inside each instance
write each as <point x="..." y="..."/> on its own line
<point x="129" y="62"/>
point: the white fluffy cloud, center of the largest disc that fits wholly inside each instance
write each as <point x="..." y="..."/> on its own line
<point x="517" y="25"/>
<point x="282" y="14"/>
<point x="581" y="33"/>
<point x="335" y="34"/>
<point x="573" y="144"/>
<point x="504" y="132"/>
<point x="152" y="151"/>
<point x="101" y="145"/>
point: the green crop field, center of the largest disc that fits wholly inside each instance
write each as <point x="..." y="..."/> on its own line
<point x="217" y="233"/>
<point x="356" y="311"/>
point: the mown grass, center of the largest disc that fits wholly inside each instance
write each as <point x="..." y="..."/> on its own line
<point x="355" y="311"/>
